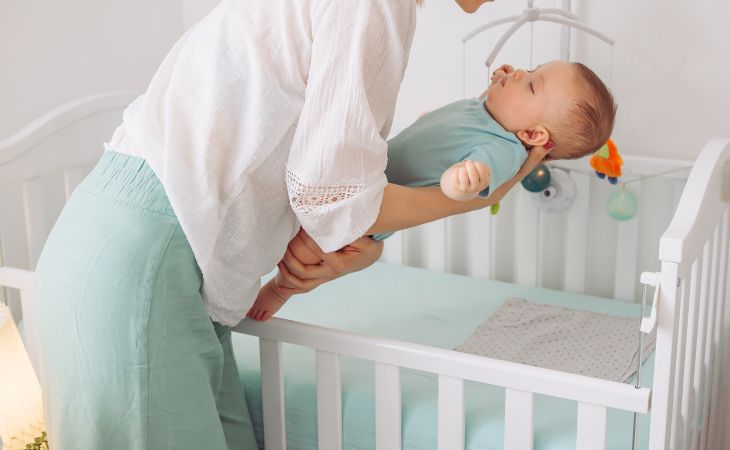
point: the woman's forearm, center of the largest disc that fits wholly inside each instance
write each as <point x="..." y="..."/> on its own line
<point x="405" y="207"/>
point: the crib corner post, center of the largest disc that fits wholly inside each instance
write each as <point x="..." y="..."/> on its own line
<point x="666" y="349"/>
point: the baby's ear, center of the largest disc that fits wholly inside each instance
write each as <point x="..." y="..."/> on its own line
<point x="534" y="136"/>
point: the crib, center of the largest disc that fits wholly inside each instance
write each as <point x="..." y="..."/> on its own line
<point x="684" y="405"/>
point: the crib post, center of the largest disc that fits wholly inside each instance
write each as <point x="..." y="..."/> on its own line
<point x="666" y="346"/>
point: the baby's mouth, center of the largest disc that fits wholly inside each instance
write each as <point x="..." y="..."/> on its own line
<point x="503" y="81"/>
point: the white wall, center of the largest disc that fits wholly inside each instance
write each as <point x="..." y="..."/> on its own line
<point x="671" y="72"/>
<point x="52" y="52"/>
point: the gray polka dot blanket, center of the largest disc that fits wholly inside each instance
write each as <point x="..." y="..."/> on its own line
<point x="582" y="342"/>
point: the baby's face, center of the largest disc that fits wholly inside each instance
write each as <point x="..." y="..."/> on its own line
<point x="523" y="100"/>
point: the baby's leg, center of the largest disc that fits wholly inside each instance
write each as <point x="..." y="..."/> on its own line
<point x="270" y="299"/>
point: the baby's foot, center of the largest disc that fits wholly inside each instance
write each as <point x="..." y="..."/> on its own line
<point x="266" y="305"/>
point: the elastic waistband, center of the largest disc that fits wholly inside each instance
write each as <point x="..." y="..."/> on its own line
<point x="128" y="179"/>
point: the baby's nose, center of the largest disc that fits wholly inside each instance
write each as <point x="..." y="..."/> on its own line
<point x="519" y="73"/>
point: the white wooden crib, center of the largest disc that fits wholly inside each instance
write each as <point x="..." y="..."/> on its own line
<point x="688" y="402"/>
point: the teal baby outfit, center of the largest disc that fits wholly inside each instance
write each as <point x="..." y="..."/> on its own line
<point x="462" y="130"/>
<point x="130" y="359"/>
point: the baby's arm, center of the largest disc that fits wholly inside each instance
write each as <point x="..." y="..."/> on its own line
<point x="465" y="180"/>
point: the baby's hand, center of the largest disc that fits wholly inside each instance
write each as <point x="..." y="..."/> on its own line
<point x="464" y="180"/>
<point x="503" y="70"/>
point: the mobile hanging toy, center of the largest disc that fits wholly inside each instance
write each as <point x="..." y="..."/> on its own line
<point x="607" y="162"/>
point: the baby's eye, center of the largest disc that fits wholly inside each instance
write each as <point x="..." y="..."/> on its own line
<point x="532" y="88"/>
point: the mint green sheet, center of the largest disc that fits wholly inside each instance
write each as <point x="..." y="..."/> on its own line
<point x="424" y="307"/>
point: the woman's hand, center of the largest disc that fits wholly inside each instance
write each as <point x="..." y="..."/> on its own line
<point x="297" y="277"/>
<point x="534" y="158"/>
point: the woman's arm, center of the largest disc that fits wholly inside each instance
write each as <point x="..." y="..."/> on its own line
<point x="405" y="207"/>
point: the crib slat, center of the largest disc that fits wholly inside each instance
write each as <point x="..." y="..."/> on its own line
<point x="53" y="198"/>
<point x="29" y="328"/>
<point x="709" y="333"/>
<point x="518" y="420"/>
<point x="591" y="427"/>
<point x="699" y="375"/>
<point x="329" y="401"/>
<point x="33" y="205"/>
<point x="574" y="273"/>
<point x="681" y="333"/>
<point x="272" y="390"/>
<point x="687" y="389"/>
<point x="469" y="244"/>
<point x="627" y="252"/>
<point x="714" y="411"/>
<point x="387" y="407"/>
<point x="426" y="246"/>
<point x="527" y="225"/>
<point x="450" y="413"/>
<point x="73" y="176"/>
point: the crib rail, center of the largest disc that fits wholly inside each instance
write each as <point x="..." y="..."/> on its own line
<point x="521" y="382"/>
<point x="692" y="318"/>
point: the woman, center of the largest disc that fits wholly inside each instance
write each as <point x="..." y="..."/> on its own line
<point x="263" y="117"/>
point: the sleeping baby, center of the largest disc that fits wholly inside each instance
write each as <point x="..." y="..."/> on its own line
<point x="472" y="146"/>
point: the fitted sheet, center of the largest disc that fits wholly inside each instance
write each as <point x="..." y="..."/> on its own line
<point x="424" y="307"/>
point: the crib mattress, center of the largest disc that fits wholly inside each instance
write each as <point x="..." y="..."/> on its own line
<point x="429" y="308"/>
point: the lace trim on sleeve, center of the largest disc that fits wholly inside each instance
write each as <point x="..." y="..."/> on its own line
<point x="306" y="198"/>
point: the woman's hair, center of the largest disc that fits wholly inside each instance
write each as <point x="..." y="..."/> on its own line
<point x="419" y="2"/>
<point x="588" y="124"/>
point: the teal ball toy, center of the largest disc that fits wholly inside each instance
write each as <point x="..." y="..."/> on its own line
<point x="538" y="180"/>
<point x="622" y="204"/>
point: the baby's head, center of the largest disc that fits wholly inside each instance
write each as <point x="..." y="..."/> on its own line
<point x="561" y="102"/>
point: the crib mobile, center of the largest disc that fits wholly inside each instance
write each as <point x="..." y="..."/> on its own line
<point x="552" y="188"/>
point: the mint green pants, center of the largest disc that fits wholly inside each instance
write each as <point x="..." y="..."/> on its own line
<point x="129" y="358"/>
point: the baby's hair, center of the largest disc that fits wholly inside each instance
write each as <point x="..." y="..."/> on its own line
<point x="588" y="124"/>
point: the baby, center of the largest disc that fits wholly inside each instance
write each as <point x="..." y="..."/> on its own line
<point x="472" y="146"/>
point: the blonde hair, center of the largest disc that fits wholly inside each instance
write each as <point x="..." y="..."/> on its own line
<point x="419" y="2"/>
<point x="586" y="126"/>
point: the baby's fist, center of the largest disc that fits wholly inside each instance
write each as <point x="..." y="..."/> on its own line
<point x="464" y="180"/>
<point x="503" y="70"/>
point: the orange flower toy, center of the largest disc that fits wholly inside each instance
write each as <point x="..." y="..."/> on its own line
<point x="607" y="162"/>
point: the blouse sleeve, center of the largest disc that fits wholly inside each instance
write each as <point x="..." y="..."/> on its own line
<point x="335" y="171"/>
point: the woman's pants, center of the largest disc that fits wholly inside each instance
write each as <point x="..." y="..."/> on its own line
<point x="129" y="358"/>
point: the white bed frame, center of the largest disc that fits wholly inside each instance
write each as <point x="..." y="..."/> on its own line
<point x="40" y="166"/>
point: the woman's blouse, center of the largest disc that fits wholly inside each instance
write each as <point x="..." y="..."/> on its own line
<point x="268" y="115"/>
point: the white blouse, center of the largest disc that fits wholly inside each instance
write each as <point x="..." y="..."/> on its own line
<point x="267" y="115"/>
